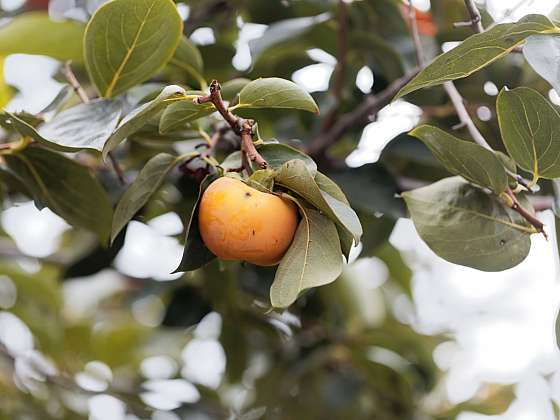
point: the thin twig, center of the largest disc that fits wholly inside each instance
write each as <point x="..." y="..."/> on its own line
<point x="476" y="18"/>
<point x="243" y="129"/>
<point x="528" y="216"/>
<point x="248" y="147"/>
<point x="415" y="34"/>
<point x="71" y="78"/>
<point x="215" y="97"/>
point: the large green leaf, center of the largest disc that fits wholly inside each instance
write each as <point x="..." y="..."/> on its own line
<point x="274" y="92"/>
<point x="141" y="116"/>
<point x="196" y="254"/>
<point x="85" y="126"/>
<point x="144" y="186"/>
<point x="471" y="161"/>
<point x="295" y="176"/>
<point x="276" y="154"/>
<point x="66" y="187"/>
<point x="128" y="41"/>
<point x="180" y="113"/>
<point x="27" y="130"/>
<point x="313" y="259"/>
<point x="34" y="33"/>
<point x="478" y="51"/>
<point x="464" y="225"/>
<point x="530" y="127"/>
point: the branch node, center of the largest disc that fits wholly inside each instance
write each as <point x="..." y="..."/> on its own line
<point x="248" y="147"/>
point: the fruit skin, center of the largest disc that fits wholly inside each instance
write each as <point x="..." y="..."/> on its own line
<point x="238" y="222"/>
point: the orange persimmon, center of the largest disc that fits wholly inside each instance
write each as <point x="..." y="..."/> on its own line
<point x="238" y="222"/>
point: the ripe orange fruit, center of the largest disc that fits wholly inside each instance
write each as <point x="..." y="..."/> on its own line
<point x="238" y="222"/>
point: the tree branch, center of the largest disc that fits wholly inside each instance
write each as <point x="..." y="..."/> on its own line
<point x="465" y="118"/>
<point x="370" y="106"/>
<point x="244" y="129"/>
<point x="71" y="78"/>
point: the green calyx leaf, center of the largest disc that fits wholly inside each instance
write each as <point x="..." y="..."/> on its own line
<point x="530" y="126"/>
<point x="313" y="259"/>
<point x="66" y="187"/>
<point x="262" y="180"/>
<point x="274" y="92"/>
<point x="140" y="117"/>
<point x="473" y="162"/>
<point x="478" y="51"/>
<point x="127" y="41"/>
<point x="464" y="225"/>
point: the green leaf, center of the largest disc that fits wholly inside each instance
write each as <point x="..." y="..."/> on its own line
<point x="330" y="187"/>
<point x="140" y="117"/>
<point x="188" y="58"/>
<point x="34" y="33"/>
<point x="127" y="41"/>
<point x="84" y="126"/>
<point x="313" y="259"/>
<point x="478" y="51"/>
<point x="276" y="154"/>
<point x="295" y="176"/>
<point x="196" y="254"/>
<point x="275" y="93"/>
<point x="27" y="130"/>
<point x="144" y="186"/>
<point x="66" y="187"/>
<point x="473" y="162"/>
<point x="464" y="225"/>
<point x="180" y="113"/>
<point x="530" y="126"/>
<point x="232" y="87"/>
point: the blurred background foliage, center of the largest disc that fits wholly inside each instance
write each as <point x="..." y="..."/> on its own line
<point x="80" y="336"/>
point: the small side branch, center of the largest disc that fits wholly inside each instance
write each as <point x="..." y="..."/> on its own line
<point x="528" y="216"/>
<point x="248" y="147"/>
<point x="215" y="97"/>
<point x="71" y="78"/>
<point x="476" y="18"/>
<point x="243" y="129"/>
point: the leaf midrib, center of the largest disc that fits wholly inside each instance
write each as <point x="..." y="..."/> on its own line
<point x="129" y="52"/>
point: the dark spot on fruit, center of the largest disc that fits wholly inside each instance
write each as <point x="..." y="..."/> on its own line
<point x="247" y="194"/>
<point x="253" y="232"/>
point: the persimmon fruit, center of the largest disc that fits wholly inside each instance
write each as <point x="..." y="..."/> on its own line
<point x="238" y="222"/>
